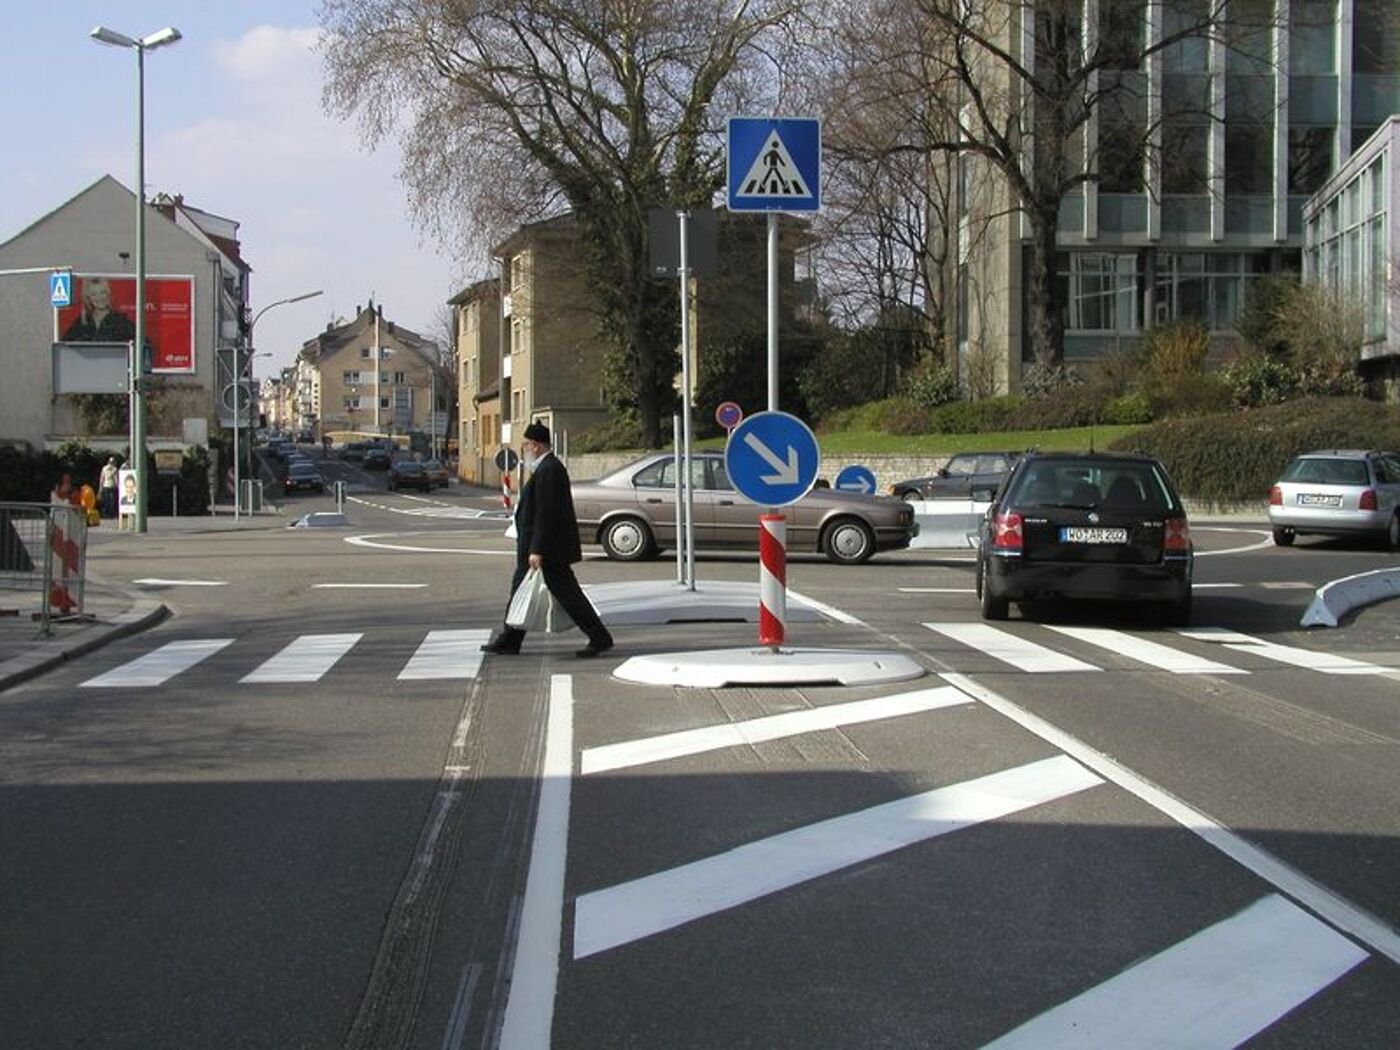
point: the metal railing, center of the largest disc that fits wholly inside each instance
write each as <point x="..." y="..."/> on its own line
<point x="43" y="560"/>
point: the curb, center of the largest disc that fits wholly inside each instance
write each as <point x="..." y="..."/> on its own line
<point x="138" y="618"/>
<point x="1334" y="600"/>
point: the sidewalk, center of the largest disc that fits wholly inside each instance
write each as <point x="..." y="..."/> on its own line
<point x="109" y="612"/>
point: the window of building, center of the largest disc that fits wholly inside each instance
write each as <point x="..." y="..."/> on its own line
<point x="517" y="272"/>
<point x="1103" y="292"/>
<point x="1185" y="158"/>
<point x="1122" y="34"/>
<point x="1249" y="38"/>
<point x="1312" y="42"/>
<point x="1205" y="287"/>
<point x="1375" y="38"/>
<point x="1309" y="158"/>
<point x="1121" y="152"/>
<point x="517" y="404"/>
<point x="1191" y="54"/>
<point x="1347" y="246"/>
<point x="1249" y="158"/>
<point x="505" y="400"/>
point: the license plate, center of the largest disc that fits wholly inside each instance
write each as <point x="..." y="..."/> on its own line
<point x="1077" y="534"/>
<point x="1314" y="499"/>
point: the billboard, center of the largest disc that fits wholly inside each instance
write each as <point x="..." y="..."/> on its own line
<point x="103" y="310"/>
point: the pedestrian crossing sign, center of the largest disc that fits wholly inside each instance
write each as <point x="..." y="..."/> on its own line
<point x="774" y="164"/>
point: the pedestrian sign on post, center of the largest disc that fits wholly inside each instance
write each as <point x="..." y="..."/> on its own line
<point x="772" y="458"/>
<point x="856" y="478"/>
<point x="61" y="288"/>
<point x="774" y="164"/>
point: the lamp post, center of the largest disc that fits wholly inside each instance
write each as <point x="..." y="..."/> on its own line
<point x="140" y="45"/>
<point x="238" y="406"/>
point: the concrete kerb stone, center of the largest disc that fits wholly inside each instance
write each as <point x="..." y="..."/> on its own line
<point x="1335" y="599"/>
<point x="46" y="655"/>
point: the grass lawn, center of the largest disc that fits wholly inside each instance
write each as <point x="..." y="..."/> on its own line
<point x="1070" y="439"/>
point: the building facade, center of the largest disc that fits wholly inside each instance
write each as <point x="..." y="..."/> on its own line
<point x="1241" y="127"/>
<point x="197" y="291"/>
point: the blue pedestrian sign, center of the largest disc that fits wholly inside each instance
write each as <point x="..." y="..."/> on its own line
<point x="856" y="478"/>
<point x="774" y="164"/>
<point x="772" y="458"/>
<point x="61" y="288"/>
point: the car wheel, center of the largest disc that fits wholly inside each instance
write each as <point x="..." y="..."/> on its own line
<point x="911" y="494"/>
<point x="1284" y="537"/>
<point x="628" y="539"/>
<point x="848" y="542"/>
<point x="1392" y="532"/>
<point x="993" y="608"/>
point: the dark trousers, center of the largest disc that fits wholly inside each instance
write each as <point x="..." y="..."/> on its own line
<point x="563" y="584"/>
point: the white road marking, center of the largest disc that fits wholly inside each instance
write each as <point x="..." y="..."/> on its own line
<point x="305" y="659"/>
<point x="529" y="1013"/>
<point x="756" y="730"/>
<point x="1341" y="913"/>
<point x="1006" y="647"/>
<point x="1312" y="659"/>
<point x="830" y="611"/>
<point x="1154" y="654"/>
<point x="1215" y="586"/>
<point x="366" y="586"/>
<point x="378" y="541"/>
<point x="159" y="666"/>
<point x="1266" y="541"/>
<point x="153" y="581"/>
<point x="649" y="905"/>
<point x="447" y="654"/>
<point x="938" y="590"/>
<point x="1219" y="987"/>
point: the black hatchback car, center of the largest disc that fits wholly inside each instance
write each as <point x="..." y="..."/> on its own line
<point x="1094" y="526"/>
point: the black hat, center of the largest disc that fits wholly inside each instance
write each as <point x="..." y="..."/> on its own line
<point x="537" y="431"/>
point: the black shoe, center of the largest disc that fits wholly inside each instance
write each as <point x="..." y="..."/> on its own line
<point x="594" y="648"/>
<point x="501" y="649"/>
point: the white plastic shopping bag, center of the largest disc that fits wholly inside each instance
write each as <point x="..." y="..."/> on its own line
<point x="533" y="608"/>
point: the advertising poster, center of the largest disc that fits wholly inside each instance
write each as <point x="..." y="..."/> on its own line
<point x="126" y="492"/>
<point x="103" y="310"/>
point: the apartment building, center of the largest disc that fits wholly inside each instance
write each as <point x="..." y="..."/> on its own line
<point x="1245" y="124"/>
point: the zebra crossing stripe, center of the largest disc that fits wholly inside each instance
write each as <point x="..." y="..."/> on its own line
<point x="1312" y="659"/>
<point x="159" y="666"/>
<point x="757" y="730"/>
<point x="632" y="910"/>
<point x="305" y="659"/>
<point x="1154" y="654"/>
<point x="1006" y="647"/>
<point x="446" y="654"/>
<point x="1218" y="987"/>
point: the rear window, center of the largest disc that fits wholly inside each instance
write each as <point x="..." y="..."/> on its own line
<point x="1095" y="483"/>
<point x="1327" y="470"/>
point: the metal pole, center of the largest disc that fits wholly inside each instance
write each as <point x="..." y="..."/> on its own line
<point x="138" y="401"/>
<point x="772" y="311"/>
<point x="378" y="352"/>
<point x="680" y="533"/>
<point x="237" y="460"/>
<point x="684" y="217"/>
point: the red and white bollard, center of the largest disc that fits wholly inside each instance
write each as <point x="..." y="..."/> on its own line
<point x="772" y="579"/>
<point x="65" y="555"/>
<point x="505" y="489"/>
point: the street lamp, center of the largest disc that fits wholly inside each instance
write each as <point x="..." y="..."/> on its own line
<point x="238" y="392"/>
<point x="141" y="45"/>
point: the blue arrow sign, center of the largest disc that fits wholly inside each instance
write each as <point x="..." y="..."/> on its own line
<point x="774" y="164"/>
<point x="856" y="478"/>
<point x="772" y="458"/>
<point x="61" y="289"/>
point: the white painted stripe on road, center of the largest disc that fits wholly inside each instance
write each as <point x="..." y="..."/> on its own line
<point x="937" y="590"/>
<point x="829" y="610"/>
<point x="447" y="654"/>
<point x="1006" y="647"/>
<point x="305" y="659"/>
<point x="772" y="727"/>
<point x="632" y="910"/>
<point x="1154" y="654"/>
<point x="1341" y="913"/>
<point x="1312" y="659"/>
<point x="1219" y="987"/>
<point x="529" y="1012"/>
<point x="1215" y="586"/>
<point x="154" y="581"/>
<point x="367" y="586"/>
<point x="159" y="666"/>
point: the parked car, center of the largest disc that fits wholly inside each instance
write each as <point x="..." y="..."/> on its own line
<point x="376" y="458"/>
<point x="354" y="450"/>
<point x="632" y="513"/>
<point x="1338" y="492"/>
<point x="303" y="477"/>
<point x="408" y="474"/>
<point x="1094" y="526"/>
<point x="958" y="477"/>
<point x="437" y="473"/>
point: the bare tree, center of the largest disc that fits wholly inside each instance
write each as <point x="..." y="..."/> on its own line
<point x="515" y="111"/>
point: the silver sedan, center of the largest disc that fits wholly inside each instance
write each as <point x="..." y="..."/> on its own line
<point x="1338" y="492"/>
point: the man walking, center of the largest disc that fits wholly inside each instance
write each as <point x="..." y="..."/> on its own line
<point x="107" y="488"/>
<point x="547" y="538"/>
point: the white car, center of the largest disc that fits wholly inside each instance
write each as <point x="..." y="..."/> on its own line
<point x="1338" y="492"/>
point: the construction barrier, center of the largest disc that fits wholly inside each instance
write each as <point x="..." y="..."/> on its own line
<point x="43" y="560"/>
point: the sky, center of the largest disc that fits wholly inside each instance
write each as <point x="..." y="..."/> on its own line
<point x="234" y="123"/>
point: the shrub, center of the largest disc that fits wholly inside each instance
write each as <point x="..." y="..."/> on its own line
<point x="1173" y="352"/>
<point x="1259" y="379"/>
<point x="1257" y="323"/>
<point x="1189" y="395"/>
<point x="898" y="415"/>
<point x="608" y="437"/>
<point x="1038" y="380"/>
<point x="1067" y="406"/>
<point x="1128" y="408"/>
<point x="974" y="417"/>
<point x="931" y="385"/>
<point x="1233" y="456"/>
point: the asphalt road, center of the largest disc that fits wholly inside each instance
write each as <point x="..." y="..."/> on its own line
<point x="320" y="822"/>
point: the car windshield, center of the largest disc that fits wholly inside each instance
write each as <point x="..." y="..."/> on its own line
<point x="1126" y="485"/>
<point x="1327" y="470"/>
<point x="409" y="468"/>
<point x="302" y="468"/>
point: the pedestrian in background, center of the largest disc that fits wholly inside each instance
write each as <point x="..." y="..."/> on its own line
<point x="107" y="488"/>
<point x="546" y="538"/>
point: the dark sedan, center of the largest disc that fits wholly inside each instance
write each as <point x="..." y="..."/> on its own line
<point x="632" y="513"/>
<point x="408" y="474"/>
<point x="303" y="477"/>
<point x="437" y="473"/>
<point x="958" y="477"/>
<point x="1095" y="526"/>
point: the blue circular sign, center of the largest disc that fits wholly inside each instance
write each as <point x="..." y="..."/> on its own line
<point x="856" y="478"/>
<point x="772" y="458"/>
<point x="728" y="415"/>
